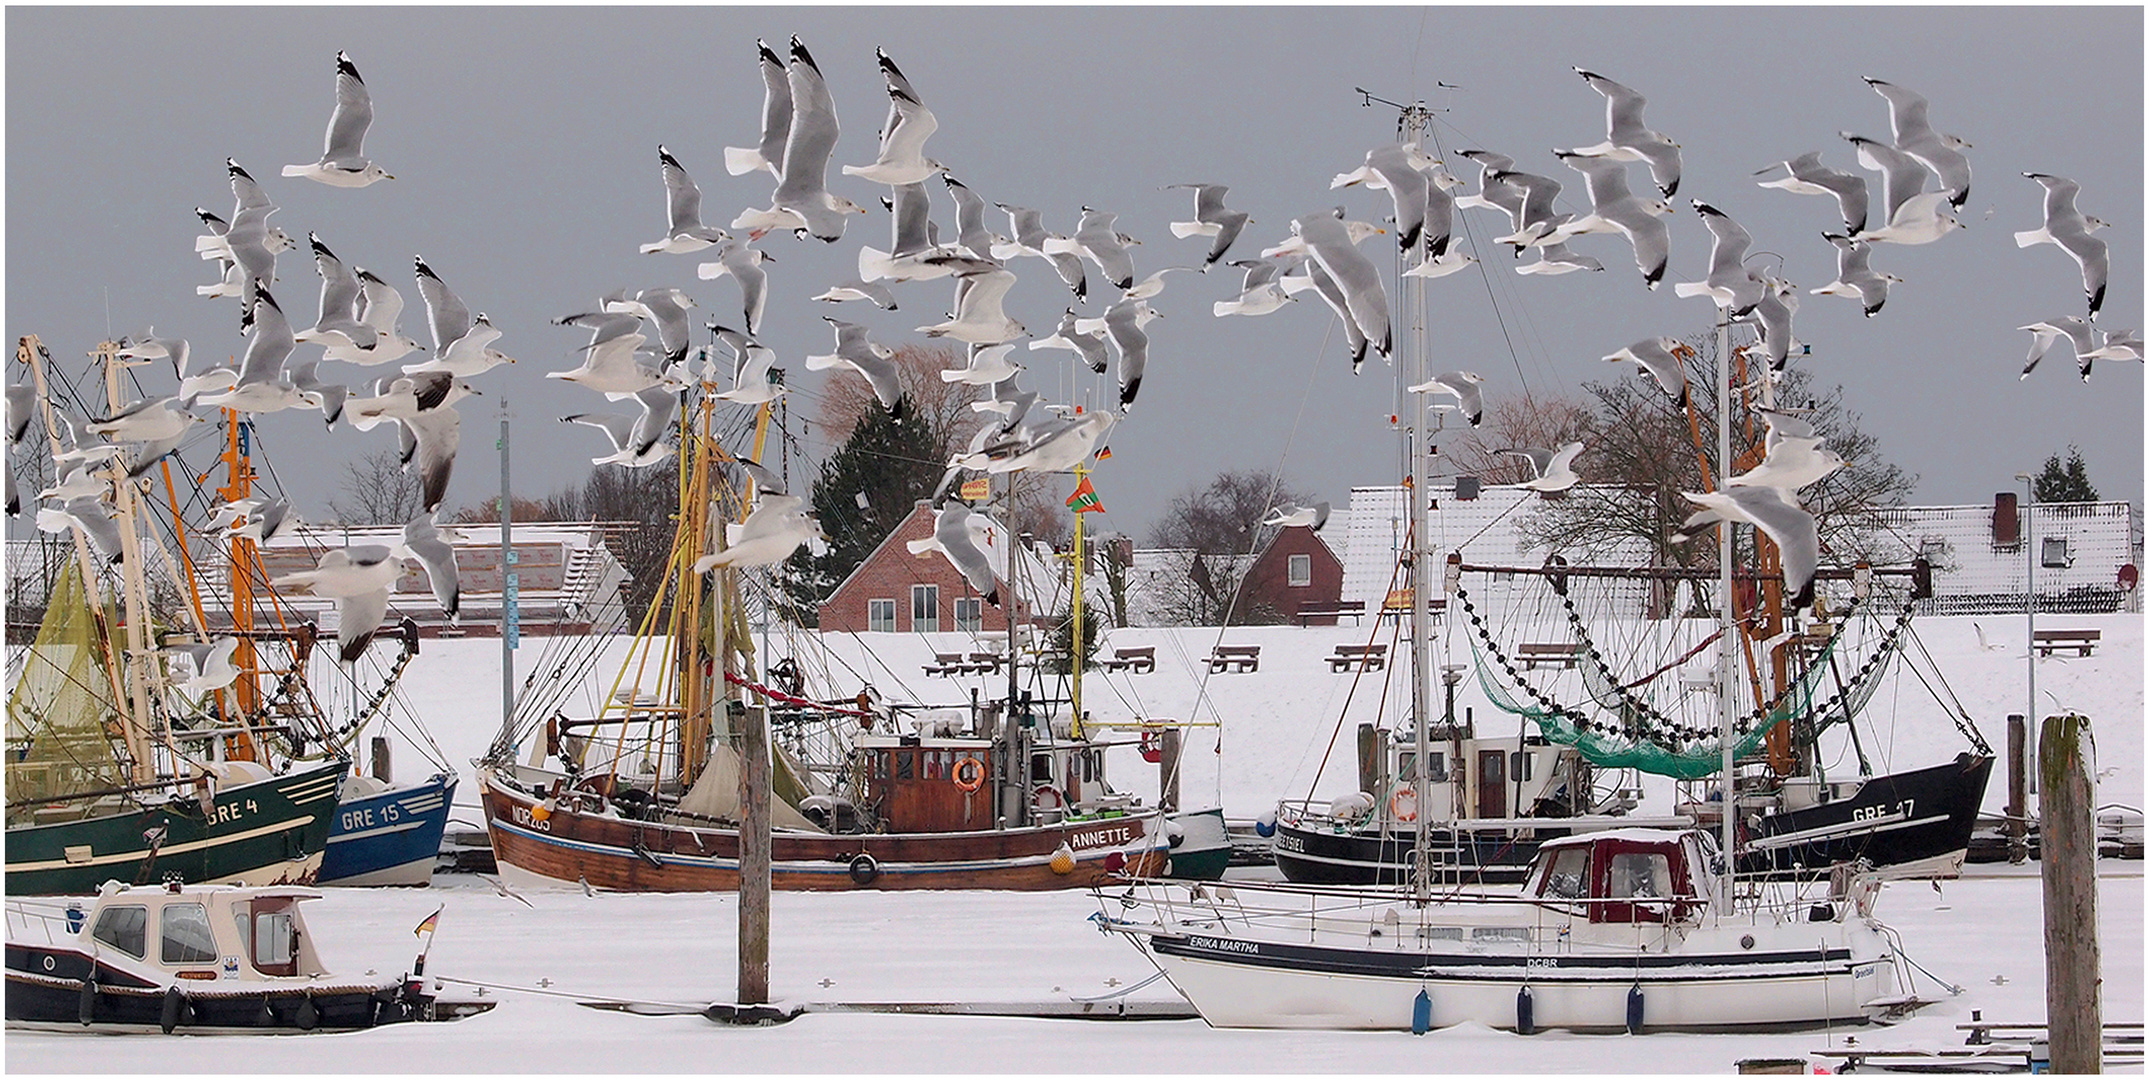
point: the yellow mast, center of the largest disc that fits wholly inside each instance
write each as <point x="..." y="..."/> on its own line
<point x="1074" y="639"/>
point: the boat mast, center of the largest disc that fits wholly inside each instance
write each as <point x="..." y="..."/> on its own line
<point x="31" y="351"/>
<point x="136" y="586"/>
<point x="1074" y="639"/>
<point x="1411" y="126"/>
<point x="1728" y="643"/>
<point x="510" y="585"/>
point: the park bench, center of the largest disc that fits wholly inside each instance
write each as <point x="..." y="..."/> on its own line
<point x="1533" y="653"/>
<point x="1234" y="658"/>
<point x="1356" y="609"/>
<point x="1134" y="661"/>
<point x="2083" y="642"/>
<point x="1363" y="657"/>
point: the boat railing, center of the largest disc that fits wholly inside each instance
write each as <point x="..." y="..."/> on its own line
<point x="49" y="920"/>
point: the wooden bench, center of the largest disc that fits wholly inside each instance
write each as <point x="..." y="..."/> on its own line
<point x="2083" y="642"/>
<point x="1234" y="658"/>
<point x="1135" y="661"/>
<point x="1356" y="609"/>
<point x="985" y="663"/>
<point x="1533" y="653"/>
<point x="947" y="663"/>
<point x="1364" y="657"/>
<point x="1401" y="612"/>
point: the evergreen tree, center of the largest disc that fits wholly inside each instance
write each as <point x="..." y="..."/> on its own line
<point x="2065" y="483"/>
<point x="892" y="465"/>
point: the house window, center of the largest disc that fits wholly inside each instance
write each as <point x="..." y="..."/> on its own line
<point x="2052" y="552"/>
<point x="969" y="613"/>
<point x="880" y="615"/>
<point x="1299" y="571"/>
<point x="925" y="608"/>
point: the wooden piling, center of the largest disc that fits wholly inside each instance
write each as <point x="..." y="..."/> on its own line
<point x="755" y="846"/>
<point x="2018" y="826"/>
<point x="1369" y="759"/>
<point x="2066" y="813"/>
<point x="1168" y="794"/>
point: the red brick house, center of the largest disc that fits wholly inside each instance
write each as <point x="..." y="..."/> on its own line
<point x="896" y="591"/>
<point x="1294" y="573"/>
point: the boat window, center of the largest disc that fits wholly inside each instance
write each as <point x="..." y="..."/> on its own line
<point x="1518" y="766"/>
<point x="1640" y="874"/>
<point x="186" y="936"/>
<point x="1406" y="767"/>
<point x="1040" y="768"/>
<point x="933" y="759"/>
<point x="1567" y="879"/>
<point x="1089" y="765"/>
<point x="125" y="929"/>
<point x="904" y="764"/>
<point x="274" y="939"/>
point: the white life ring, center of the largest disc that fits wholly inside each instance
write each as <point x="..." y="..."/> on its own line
<point x="1045" y="797"/>
<point x="1403" y="804"/>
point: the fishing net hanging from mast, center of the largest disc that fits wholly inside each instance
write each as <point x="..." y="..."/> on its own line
<point x="1639" y="688"/>
<point x="60" y="712"/>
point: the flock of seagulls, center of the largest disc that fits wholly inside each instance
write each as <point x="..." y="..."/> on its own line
<point x="358" y="324"/>
<point x="639" y="346"/>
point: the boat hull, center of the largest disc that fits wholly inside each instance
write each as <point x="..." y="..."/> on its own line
<point x="1910" y="824"/>
<point x="390" y="837"/>
<point x="1204" y="846"/>
<point x="268" y="832"/>
<point x="1240" y="983"/>
<point x="570" y="846"/>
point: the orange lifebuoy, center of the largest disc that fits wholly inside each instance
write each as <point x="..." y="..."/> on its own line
<point x="968" y="773"/>
<point x="1403" y="804"/>
<point x="1152" y="747"/>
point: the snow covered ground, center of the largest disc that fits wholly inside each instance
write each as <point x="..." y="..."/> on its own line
<point x="1982" y="933"/>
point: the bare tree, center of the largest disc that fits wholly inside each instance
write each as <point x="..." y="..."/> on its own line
<point x="1223" y="518"/>
<point x="377" y="491"/>
<point x="942" y="407"/>
<point x="1642" y="451"/>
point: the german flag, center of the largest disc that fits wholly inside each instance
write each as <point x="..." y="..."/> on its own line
<point x="431" y="921"/>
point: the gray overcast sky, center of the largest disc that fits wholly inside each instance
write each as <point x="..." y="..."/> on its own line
<point x="524" y="143"/>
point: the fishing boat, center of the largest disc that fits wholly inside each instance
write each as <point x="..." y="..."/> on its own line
<point x="101" y="780"/>
<point x="194" y="959"/>
<point x="126" y="764"/>
<point x="644" y="796"/>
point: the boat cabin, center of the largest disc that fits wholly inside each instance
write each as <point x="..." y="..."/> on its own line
<point x="1625" y="875"/>
<point x="199" y="933"/>
<point x="1484" y="778"/>
<point x="944" y="778"/>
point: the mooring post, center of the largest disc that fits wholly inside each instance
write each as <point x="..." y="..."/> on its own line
<point x="1369" y="760"/>
<point x="754" y="852"/>
<point x="1168" y="792"/>
<point x="2018" y="825"/>
<point x="2066" y="811"/>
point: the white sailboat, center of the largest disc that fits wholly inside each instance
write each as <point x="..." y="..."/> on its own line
<point x="1618" y="929"/>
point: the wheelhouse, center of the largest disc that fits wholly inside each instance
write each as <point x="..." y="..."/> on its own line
<point x="1625" y="875"/>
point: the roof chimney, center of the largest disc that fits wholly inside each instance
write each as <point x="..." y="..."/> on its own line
<point x="2006" y="526"/>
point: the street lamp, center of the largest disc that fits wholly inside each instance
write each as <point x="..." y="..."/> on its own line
<point x="2029" y="544"/>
